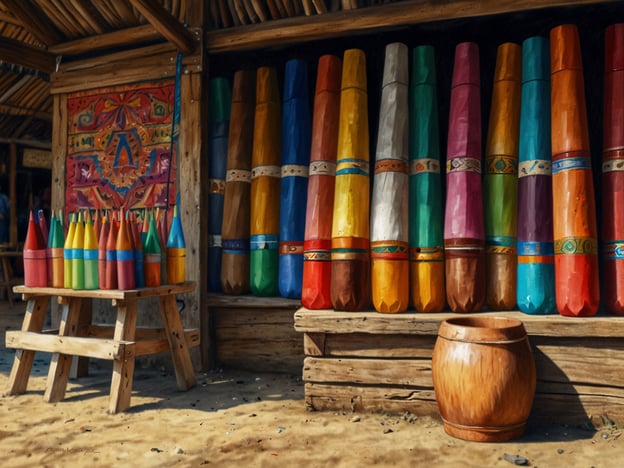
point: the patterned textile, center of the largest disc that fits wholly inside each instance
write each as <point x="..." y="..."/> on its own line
<point x="120" y="147"/>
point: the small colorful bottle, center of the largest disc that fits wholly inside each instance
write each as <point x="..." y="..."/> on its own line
<point x="68" y="252"/>
<point x="125" y="255"/>
<point x="102" y="242"/>
<point x="35" y="270"/>
<point x="90" y="254"/>
<point x="77" y="246"/>
<point x="176" y="251"/>
<point x="151" y="255"/>
<point x="55" y="252"/>
<point x="111" y="254"/>
<point x="139" y="275"/>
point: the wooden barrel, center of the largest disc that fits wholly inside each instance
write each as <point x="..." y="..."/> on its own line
<point x="483" y="377"/>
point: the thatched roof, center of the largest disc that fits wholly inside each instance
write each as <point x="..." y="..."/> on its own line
<point x="35" y="34"/>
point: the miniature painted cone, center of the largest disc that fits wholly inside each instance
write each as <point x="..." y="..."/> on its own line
<point x="176" y="251"/>
<point x="77" y="245"/>
<point x="296" y="137"/>
<point x="102" y="243"/>
<point x="613" y="171"/>
<point x="97" y="223"/>
<point x="265" y="186"/>
<point x="464" y="231"/>
<point x="389" y="210"/>
<point x="535" y="292"/>
<point x="151" y="255"/>
<point x="161" y="225"/>
<point x="236" y="200"/>
<point x="501" y="179"/>
<point x="111" y="253"/>
<point x="125" y="254"/>
<point x="219" y="122"/>
<point x="316" y="284"/>
<point x="55" y="253"/>
<point x="350" y="285"/>
<point x="49" y="252"/>
<point x="91" y="271"/>
<point x="137" y="243"/>
<point x="425" y="190"/>
<point x="574" y="211"/>
<point x="68" y="252"/>
<point x="35" y="268"/>
<point x="43" y="226"/>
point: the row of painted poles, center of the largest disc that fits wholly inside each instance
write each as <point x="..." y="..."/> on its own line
<point x="110" y="252"/>
<point x="529" y="129"/>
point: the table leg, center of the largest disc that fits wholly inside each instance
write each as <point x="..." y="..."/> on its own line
<point x="185" y="374"/>
<point x="80" y="364"/>
<point x="123" y="369"/>
<point x="60" y="364"/>
<point x="22" y="365"/>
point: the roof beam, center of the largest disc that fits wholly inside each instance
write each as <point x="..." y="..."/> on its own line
<point x="123" y="37"/>
<point x="32" y="21"/>
<point x="17" y="53"/>
<point x="166" y="24"/>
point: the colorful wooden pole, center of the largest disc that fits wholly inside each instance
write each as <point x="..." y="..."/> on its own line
<point x="34" y="255"/>
<point x="43" y="226"/>
<point x="464" y="231"/>
<point x="49" y="253"/>
<point x="296" y="136"/>
<point x="613" y="171"/>
<point x="574" y="215"/>
<point x="315" y="293"/>
<point x="152" y="255"/>
<point x="425" y="189"/>
<point x="535" y="293"/>
<point x="389" y="210"/>
<point x="236" y="200"/>
<point x="90" y="255"/>
<point x="176" y="250"/>
<point x="350" y="285"/>
<point x="68" y="252"/>
<point x="77" y="246"/>
<point x="265" y="186"/>
<point x="219" y="122"/>
<point x="500" y="183"/>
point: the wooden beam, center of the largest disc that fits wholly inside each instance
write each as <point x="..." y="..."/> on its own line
<point x="365" y="20"/>
<point x="168" y="26"/>
<point x="12" y="194"/>
<point x="32" y="21"/>
<point x="25" y="142"/>
<point x="121" y="38"/>
<point x="22" y="111"/>
<point x="18" y="53"/>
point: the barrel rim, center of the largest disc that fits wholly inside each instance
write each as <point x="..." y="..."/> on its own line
<point x="482" y="329"/>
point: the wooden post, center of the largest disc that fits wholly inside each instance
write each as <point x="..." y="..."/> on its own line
<point x="12" y="194"/>
<point x="123" y="368"/>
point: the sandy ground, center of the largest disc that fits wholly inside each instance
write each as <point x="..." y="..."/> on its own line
<point x="235" y="418"/>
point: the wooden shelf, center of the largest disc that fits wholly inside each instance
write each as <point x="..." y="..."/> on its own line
<point x="365" y="20"/>
<point x="412" y="323"/>
<point x="117" y="294"/>
<point x="223" y="301"/>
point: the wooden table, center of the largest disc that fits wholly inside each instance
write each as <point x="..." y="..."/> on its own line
<point x="8" y="281"/>
<point x="121" y="343"/>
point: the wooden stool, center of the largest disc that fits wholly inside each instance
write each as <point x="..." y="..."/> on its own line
<point x="120" y="343"/>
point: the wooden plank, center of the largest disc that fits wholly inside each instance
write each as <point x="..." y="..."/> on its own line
<point x="379" y="346"/>
<point x="114" y="294"/>
<point x="18" y="53"/>
<point x="314" y="344"/>
<point x="553" y="408"/>
<point x="243" y="302"/>
<point x="240" y="317"/>
<point x="70" y="345"/>
<point x="23" y="361"/>
<point x="123" y="369"/>
<point x="403" y="372"/>
<point x="80" y="365"/>
<point x="366" y="20"/>
<point x="330" y="321"/>
<point x="328" y="397"/>
<point x="142" y="333"/>
<point x="32" y="21"/>
<point x="121" y="38"/>
<point x="185" y="374"/>
<point x="60" y="364"/>
<point x="192" y="165"/>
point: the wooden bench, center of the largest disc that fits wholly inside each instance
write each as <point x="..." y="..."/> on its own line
<point x="121" y="343"/>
